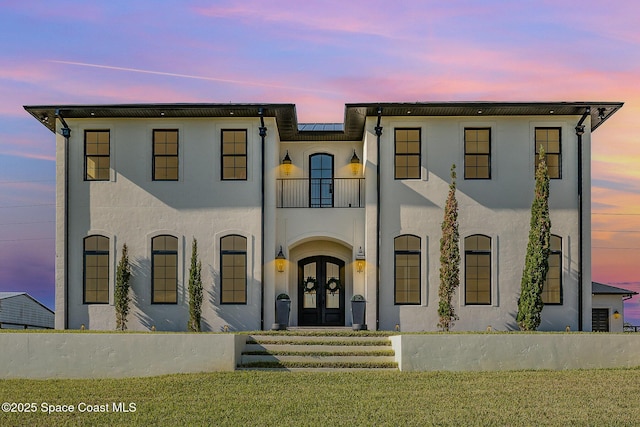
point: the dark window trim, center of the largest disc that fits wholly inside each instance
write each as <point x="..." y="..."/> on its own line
<point x="407" y="252"/>
<point x="395" y="153"/>
<point x="86" y="178"/>
<point x="245" y="155"/>
<point x="477" y="154"/>
<point x="163" y="252"/>
<point x="477" y="252"/>
<point x="559" y="153"/>
<point x="177" y="155"/>
<point x="234" y="252"/>
<point x="84" y="269"/>
<point x="557" y="252"/>
<point x="322" y="179"/>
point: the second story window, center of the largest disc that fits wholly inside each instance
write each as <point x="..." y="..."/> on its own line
<point x="165" y="155"/>
<point x="407" y="153"/>
<point x="234" y="154"/>
<point x="549" y="139"/>
<point x="96" y="155"/>
<point x="477" y="153"/>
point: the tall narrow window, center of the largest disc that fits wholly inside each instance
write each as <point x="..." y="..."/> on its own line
<point x="96" y="270"/>
<point x="165" y="155"/>
<point x="234" y="154"/>
<point x="321" y="182"/>
<point x="552" y="289"/>
<point x="407" y="153"/>
<point x="477" y="259"/>
<point x="164" y="266"/>
<point x="549" y="139"/>
<point x="96" y="155"/>
<point x="233" y="276"/>
<point x="407" y="269"/>
<point x="477" y="153"/>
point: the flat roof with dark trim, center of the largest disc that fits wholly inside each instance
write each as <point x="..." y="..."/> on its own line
<point x="351" y="129"/>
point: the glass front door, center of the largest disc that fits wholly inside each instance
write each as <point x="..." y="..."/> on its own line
<point x="321" y="291"/>
<point x="321" y="181"/>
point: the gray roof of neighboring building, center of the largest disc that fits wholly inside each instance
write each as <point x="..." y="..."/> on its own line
<point x="352" y="128"/>
<point x="5" y="295"/>
<point x="601" y="288"/>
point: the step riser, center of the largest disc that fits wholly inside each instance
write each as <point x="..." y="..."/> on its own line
<point x="319" y="353"/>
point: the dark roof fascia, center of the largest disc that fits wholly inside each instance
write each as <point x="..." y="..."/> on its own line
<point x="602" y="289"/>
<point x="488" y="108"/>
<point x="354" y="116"/>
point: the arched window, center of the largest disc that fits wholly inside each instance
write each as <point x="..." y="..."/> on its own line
<point x="407" y="269"/>
<point x="552" y="289"/>
<point x="164" y="270"/>
<point x="233" y="269"/>
<point x="96" y="270"/>
<point x="477" y="278"/>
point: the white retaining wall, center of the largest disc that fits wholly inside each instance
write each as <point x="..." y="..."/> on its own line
<point x="87" y="355"/>
<point x="504" y="352"/>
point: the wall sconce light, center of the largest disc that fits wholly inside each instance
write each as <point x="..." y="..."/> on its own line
<point x="360" y="260"/>
<point x="355" y="163"/>
<point x="616" y="314"/>
<point x="286" y="164"/>
<point x="280" y="261"/>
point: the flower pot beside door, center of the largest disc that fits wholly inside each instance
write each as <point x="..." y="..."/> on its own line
<point x="358" y="309"/>
<point x="283" y="307"/>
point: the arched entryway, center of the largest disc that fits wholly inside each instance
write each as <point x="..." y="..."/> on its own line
<point x="321" y="291"/>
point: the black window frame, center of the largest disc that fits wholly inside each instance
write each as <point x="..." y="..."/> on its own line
<point x="478" y="252"/>
<point x="101" y="156"/>
<point x="233" y="252"/>
<point x="163" y="252"/>
<point x="476" y="154"/>
<point x="100" y="253"/>
<point x="408" y="154"/>
<point x="556" y="253"/>
<point x="223" y="156"/>
<point x="156" y="156"/>
<point x="405" y="252"/>
<point x="546" y="151"/>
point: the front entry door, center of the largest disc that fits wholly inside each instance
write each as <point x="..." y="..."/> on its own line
<point x="321" y="291"/>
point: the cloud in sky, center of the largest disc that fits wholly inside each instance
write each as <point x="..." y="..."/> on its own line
<point x="321" y="55"/>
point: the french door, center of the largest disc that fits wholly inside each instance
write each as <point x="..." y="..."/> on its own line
<point x="321" y="291"/>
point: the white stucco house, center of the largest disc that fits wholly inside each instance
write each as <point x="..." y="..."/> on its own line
<point x="607" y="310"/>
<point x="321" y="212"/>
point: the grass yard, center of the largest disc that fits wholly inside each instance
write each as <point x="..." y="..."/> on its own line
<point x="585" y="397"/>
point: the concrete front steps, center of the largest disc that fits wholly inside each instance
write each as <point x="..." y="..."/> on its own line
<point x="317" y="351"/>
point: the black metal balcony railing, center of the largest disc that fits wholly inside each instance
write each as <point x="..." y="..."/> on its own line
<point x="320" y="193"/>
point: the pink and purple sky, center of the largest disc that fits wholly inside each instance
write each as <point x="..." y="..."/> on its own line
<point x="318" y="55"/>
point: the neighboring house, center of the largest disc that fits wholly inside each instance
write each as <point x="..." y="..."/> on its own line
<point x="19" y="310"/>
<point x="608" y="307"/>
<point x="356" y="207"/>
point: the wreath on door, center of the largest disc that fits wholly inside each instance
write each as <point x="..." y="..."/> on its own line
<point x="310" y="284"/>
<point x="334" y="285"/>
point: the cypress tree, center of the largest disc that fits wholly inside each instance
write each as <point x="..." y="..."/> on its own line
<point x="537" y="260"/>
<point x="121" y="292"/>
<point x="449" y="258"/>
<point x="195" y="289"/>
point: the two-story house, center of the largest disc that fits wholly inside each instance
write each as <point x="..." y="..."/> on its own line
<point x="318" y="211"/>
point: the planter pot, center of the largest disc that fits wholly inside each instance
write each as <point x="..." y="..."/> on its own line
<point x="358" y="309"/>
<point x="283" y="306"/>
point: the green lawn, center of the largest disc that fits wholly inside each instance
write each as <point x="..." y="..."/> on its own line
<point x="586" y="397"/>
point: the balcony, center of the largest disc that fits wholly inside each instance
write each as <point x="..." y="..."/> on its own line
<point x="320" y="193"/>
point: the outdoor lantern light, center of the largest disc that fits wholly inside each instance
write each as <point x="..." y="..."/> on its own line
<point x="616" y="314"/>
<point x="280" y="261"/>
<point x="355" y="163"/>
<point x="360" y="260"/>
<point x="286" y="164"/>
